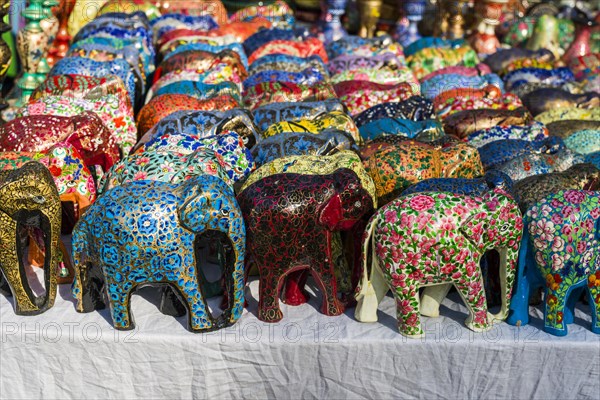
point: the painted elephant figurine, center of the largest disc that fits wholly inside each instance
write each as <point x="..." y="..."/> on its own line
<point x="541" y="100"/>
<point x="273" y="92"/>
<point x="560" y="252"/>
<point x="498" y="152"/>
<point x="204" y="123"/>
<point x="334" y="120"/>
<point x="527" y="165"/>
<point x="236" y="47"/>
<point x="535" y="188"/>
<point x="318" y="205"/>
<point x="85" y="131"/>
<point x="584" y="142"/>
<point x="201" y="61"/>
<point x="500" y="59"/>
<point x="436" y="85"/>
<point x="306" y="48"/>
<point x="396" y="167"/>
<point x="119" y="246"/>
<point x="29" y="200"/>
<point x="593" y="158"/>
<point x="309" y="76"/>
<point x="200" y="90"/>
<point x="464" y="123"/>
<point x="291" y="144"/>
<point x="555" y="77"/>
<point x="415" y="108"/>
<point x="358" y="96"/>
<point x="426" y="239"/>
<point x="269" y="114"/>
<point x="533" y="133"/>
<point x="470" y="187"/>
<point x="164" y="105"/>
<point x="285" y="62"/>
<point x="235" y="159"/>
<point x="430" y="129"/>
<point x="566" y="128"/>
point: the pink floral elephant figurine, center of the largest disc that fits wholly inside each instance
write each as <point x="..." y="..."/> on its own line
<point x="437" y="239"/>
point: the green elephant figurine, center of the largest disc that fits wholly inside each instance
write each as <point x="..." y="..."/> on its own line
<point x="30" y="203"/>
<point x="146" y="233"/>
<point x="432" y="240"/>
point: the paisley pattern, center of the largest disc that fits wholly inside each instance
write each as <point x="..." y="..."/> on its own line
<point x="129" y="246"/>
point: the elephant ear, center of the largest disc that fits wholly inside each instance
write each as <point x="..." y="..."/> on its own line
<point x="331" y="213"/>
<point x="473" y="229"/>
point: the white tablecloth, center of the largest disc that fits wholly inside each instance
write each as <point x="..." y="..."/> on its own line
<point x="62" y="354"/>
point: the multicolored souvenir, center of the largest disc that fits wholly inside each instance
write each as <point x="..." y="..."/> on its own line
<point x="584" y="142"/>
<point x="426" y="61"/>
<point x="116" y="116"/>
<point x="205" y="124"/>
<point x="210" y="48"/>
<point x="565" y="128"/>
<point x="269" y="114"/>
<point x="366" y="47"/>
<point x="566" y="113"/>
<point x="498" y="152"/>
<point x="201" y="61"/>
<point x="506" y="101"/>
<point x="384" y="69"/>
<point x="464" y="123"/>
<point x="141" y="256"/>
<point x="285" y="62"/>
<point x="306" y="48"/>
<point x="436" y="85"/>
<point x="535" y="188"/>
<point x="426" y="130"/>
<point x="279" y="13"/>
<point x="285" y="144"/>
<point x="438" y="239"/>
<point x="358" y="96"/>
<point x="321" y="204"/>
<point x="534" y="132"/>
<point x="161" y="106"/>
<point x="415" y="108"/>
<point x="29" y="200"/>
<point x="268" y="35"/>
<point x="332" y="120"/>
<point x="555" y="77"/>
<point x="560" y="252"/>
<point x="309" y="77"/>
<point x="395" y="167"/>
<point x="527" y="165"/>
<point x="503" y="57"/>
<point x="201" y="90"/>
<point x="84" y="131"/>
<point x="274" y="92"/>
<point x="480" y="69"/>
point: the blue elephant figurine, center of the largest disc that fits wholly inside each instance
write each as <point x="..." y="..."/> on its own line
<point x="534" y="132"/>
<point x="556" y="76"/>
<point x="415" y="108"/>
<point x="500" y="151"/>
<point x="585" y="141"/>
<point x="560" y="252"/>
<point x="444" y="82"/>
<point x="328" y="141"/>
<point x="252" y="43"/>
<point x="527" y="165"/>
<point x="144" y="233"/>
<point x="430" y="41"/>
<point x="201" y="90"/>
<point x="430" y="128"/>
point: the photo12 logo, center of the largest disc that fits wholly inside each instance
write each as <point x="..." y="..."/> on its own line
<point x="71" y="332"/>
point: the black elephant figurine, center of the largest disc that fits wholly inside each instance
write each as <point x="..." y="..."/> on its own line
<point x="290" y="219"/>
<point x="29" y="204"/>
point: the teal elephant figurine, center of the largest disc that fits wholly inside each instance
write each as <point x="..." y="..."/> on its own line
<point x="433" y="240"/>
<point x="146" y="233"/>
<point x="30" y="204"/>
<point x="560" y="252"/>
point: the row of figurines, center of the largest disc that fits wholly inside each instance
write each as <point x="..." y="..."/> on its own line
<point x="146" y="232"/>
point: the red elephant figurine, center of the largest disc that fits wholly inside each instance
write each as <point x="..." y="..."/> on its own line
<point x="290" y="219"/>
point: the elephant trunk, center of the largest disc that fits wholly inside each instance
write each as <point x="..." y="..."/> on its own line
<point x="88" y="282"/>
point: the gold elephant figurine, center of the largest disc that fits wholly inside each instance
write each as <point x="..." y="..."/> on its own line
<point x="28" y="202"/>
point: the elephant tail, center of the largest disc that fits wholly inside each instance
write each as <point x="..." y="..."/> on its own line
<point x="366" y="297"/>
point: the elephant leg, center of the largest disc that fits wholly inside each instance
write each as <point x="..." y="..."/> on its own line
<point x="295" y="294"/>
<point x="326" y="281"/>
<point x="120" y="306"/>
<point x="4" y="288"/>
<point x="474" y="298"/>
<point x="66" y="271"/>
<point x="199" y="318"/>
<point x="555" y="302"/>
<point x="268" y="302"/>
<point x="369" y="298"/>
<point x="571" y="302"/>
<point x="407" y="310"/>
<point x="432" y="298"/>
<point x="594" y="300"/>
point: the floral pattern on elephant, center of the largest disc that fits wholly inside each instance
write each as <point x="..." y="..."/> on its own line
<point x="561" y="253"/>
<point x="435" y="238"/>
<point x="144" y="233"/>
<point x="333" y="120"/>
<point x="275" y="92"/>
<point x="269" y="114"/>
